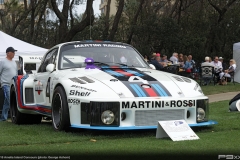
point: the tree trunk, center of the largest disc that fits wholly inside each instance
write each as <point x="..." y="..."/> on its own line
<point x="135" y="21"/>
<point x="106" y="29"/>
<point x="88" y="20"/>
<point x="116" y="20"/>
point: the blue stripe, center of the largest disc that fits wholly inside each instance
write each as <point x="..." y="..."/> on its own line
<point x="136" y="90"/>
<point x="159" y="91"/>
<point x="160" y="88"/>
<point x="113" y="73"/>
<point x="140" y="90"/>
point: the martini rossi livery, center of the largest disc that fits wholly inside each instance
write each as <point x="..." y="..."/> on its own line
<point x="105" y="86"/>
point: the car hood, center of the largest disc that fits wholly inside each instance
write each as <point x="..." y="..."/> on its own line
<point x="133" y="82"/>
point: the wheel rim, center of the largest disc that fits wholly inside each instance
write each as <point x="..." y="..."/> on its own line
<point x="57" y="111"/>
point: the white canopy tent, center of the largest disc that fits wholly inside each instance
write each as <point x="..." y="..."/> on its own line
<point x="23" y="48"/>
<point x="236" y="57"/>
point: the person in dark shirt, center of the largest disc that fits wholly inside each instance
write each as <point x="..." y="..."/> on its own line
<point x="155" y="61"/>
<point x="224" y="65"/>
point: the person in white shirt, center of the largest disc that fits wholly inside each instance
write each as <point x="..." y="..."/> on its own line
<point x="217" y="64"/>
<point x="174" y="58"/>
<point x="218" y="67"/>
<point x="231" y="69"/>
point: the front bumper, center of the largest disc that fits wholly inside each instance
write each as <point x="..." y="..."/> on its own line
<point x="202" y="124"/>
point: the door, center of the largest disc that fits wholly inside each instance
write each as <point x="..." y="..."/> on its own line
<point x="42" y="78"/>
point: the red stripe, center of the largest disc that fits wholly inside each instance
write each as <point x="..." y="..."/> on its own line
<point x="151" y="92"/>
<point x="18" y="83"/>
<point x="117" y="69"/>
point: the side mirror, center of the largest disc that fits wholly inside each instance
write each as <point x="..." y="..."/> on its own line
<point x="50" y="67"/>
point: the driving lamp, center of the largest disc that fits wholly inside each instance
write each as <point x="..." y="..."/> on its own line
<point x="107" y="117"/>
<point x="200" y="114"/>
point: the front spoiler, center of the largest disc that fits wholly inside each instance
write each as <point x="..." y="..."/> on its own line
<point x="202" y="124"/>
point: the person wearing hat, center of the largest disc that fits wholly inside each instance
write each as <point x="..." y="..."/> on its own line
<point x="155" y="61"/>
<point x="224" y="65"/>
<point x="8" y="69"/>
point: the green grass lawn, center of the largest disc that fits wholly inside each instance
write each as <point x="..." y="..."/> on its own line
<point x="37" y="140"/>
<point x="211" y="89"/>
<point x="42" y="140"/>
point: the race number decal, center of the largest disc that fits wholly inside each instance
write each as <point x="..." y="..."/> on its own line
<point x="139" y="83"/>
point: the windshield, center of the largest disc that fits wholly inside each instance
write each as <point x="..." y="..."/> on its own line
<point x="74" y="55"/>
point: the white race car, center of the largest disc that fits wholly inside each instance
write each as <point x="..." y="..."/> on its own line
<point x="104" y="86"/>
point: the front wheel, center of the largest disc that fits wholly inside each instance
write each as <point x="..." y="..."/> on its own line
<point x="60" y="111"/>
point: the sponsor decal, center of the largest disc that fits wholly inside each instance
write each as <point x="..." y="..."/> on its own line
<point x="74" y="101"/>
<point x="77" y="93"/>
<point x="99" y="45"/>
<point x="39" y="87"/>
<point x="80" y="87"/>
<point x="87" y="45"/>
<point x="40" y="58"/>
<point x="158" y="104"/>
<point x="139" y="83"/>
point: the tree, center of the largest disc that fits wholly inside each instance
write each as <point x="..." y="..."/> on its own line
<point x="67" y="33"/>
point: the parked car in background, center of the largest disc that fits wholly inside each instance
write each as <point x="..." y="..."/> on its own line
<point x="105" y="86"/>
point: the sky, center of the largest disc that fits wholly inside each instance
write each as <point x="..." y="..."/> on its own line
<point x="81" y="8"/>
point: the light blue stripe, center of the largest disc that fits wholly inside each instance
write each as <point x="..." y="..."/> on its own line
<point x="159" y="91"/>
<point x="113" y="72"/>
<point x="135" y="89"/>
<point x="165" y="94"/>
<point x="104" y="66"/>
<point x="140" y="90"/>
<point x="208" y="123"/>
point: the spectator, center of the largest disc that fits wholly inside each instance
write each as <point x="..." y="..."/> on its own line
<point x="207" y="62"/>
<point x="146" y="58"/>
<point x="218" y="67"/>
<point x="187" y="64"/>
<point x="174" y="58"/>
<point x="164" y="58"/>
<point x="217" y="64"/>
<point x="8" y="69"/>
<point x="207" y="79"/>
<point x="232" y="67"/>
<point x="155" y="61"/>
<point x="191" y="60"/>
<point x="224" y="65"/>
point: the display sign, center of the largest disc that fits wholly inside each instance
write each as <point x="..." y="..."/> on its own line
<point x="177" y="130"/>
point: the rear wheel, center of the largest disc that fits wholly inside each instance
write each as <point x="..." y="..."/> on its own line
<point x="18" y="117"/>
<point x="60" y="111"/>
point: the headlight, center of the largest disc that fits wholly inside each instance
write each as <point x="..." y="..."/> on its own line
<point x="200" y="114"/>
<point x="107" y="117"/>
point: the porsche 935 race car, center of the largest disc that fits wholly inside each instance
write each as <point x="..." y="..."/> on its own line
<point x="104" y="86"/>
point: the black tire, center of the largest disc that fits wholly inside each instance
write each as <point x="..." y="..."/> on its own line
<point x="60" y="110"/>
<point x="18" y="117"/>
